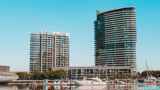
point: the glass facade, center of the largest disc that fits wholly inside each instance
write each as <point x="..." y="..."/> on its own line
<point x="48" y="50"/>
<point x="115" y="38"/>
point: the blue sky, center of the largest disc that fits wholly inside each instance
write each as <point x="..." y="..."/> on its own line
<point x="18" y="18"/>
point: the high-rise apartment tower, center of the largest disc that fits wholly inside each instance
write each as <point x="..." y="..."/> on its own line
<point x="115" y="38"/>
<point x="48" y="51"/>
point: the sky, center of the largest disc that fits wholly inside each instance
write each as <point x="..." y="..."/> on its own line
<point x="18" y="18"/>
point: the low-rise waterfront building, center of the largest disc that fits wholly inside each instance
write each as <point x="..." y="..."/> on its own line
<point x="100" y="72"/>
<point x="4" y="68"/>
<point x="6" y="75"/>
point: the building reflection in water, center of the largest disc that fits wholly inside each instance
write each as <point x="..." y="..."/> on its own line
<point x="108" y="87"/>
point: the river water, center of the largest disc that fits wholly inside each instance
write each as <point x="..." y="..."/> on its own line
<point x="110" y="87"/>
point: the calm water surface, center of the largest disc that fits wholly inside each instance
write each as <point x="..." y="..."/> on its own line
<point x="110" y="87"/>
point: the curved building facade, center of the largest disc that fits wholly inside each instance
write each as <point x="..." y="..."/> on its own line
<point x="115" y="38"/>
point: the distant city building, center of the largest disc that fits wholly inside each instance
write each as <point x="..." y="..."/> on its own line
<point x="48" y="51"/>
<point x="4" y="68"/>
<point x="6" y="75"/>
<point x="115" y="38"/>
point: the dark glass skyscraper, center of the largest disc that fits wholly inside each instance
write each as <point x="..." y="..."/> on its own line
<point x="115" y="38"/>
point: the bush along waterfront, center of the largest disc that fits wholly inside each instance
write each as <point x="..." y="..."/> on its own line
<point x="51" y="75"/>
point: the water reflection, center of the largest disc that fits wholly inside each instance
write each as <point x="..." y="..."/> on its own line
<point x="111" y="87"/>
<point x="6" y="87"/>
<point x="108" y="87"/>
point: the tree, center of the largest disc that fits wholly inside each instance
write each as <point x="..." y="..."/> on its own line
<point x="57" y="74"/>
<point x="39" y="76"/>
<point x="23" y="75"/>
<point x="51" y="74"/>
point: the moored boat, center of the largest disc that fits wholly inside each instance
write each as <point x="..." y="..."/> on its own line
<point x="90" y="81"/>
<point x="150" y="81"/>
